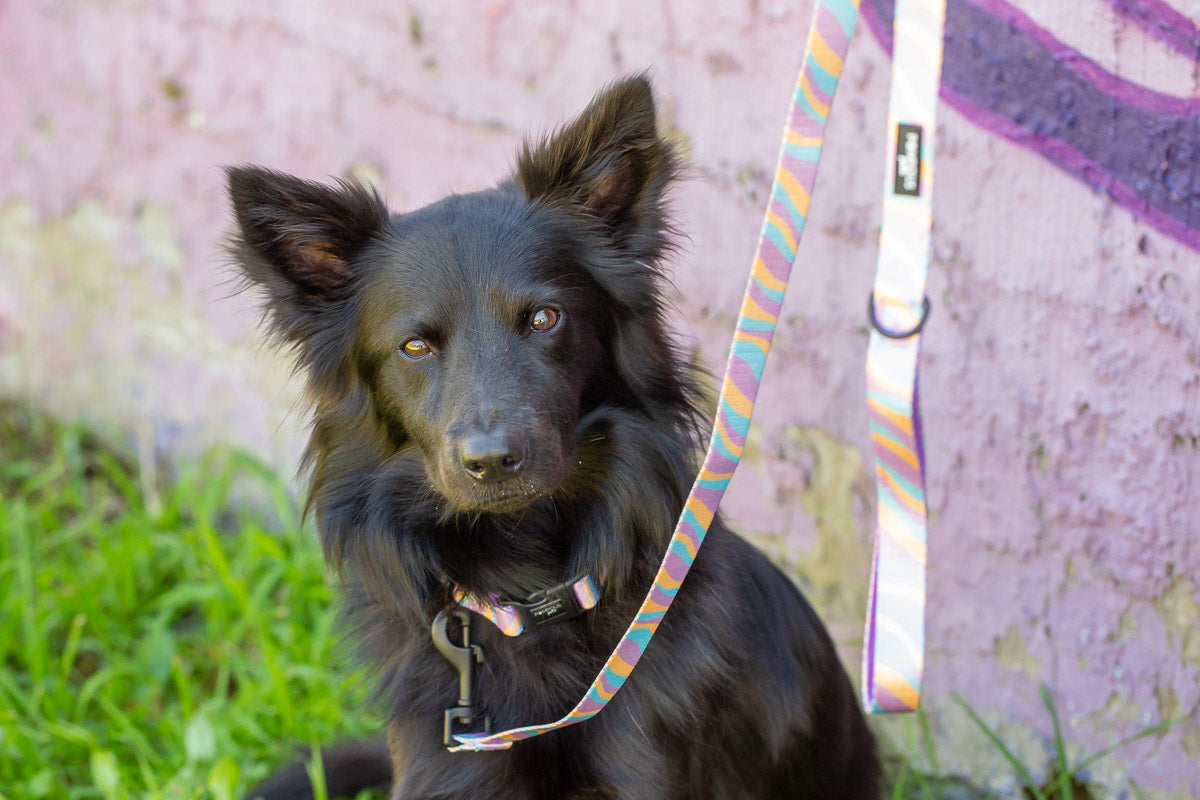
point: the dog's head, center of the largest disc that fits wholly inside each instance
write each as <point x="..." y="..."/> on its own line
<point x="481" y="330"/>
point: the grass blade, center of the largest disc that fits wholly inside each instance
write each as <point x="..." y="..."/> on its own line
<point x="1154" y="730"/>
<point x="1062" y="781"/>
<point x="1012" y="760"/>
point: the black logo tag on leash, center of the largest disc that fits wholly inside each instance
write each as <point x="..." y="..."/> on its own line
<point x="908" y="160"/>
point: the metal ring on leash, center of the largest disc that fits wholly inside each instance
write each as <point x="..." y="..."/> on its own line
<point x="913" y="331"/>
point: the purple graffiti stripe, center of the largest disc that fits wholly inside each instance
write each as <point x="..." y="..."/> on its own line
<point x="1007" y="75"/>
<point x="1115" y="86"/>
<point x="878" y="15"/>
<point x="1164" y="23"/>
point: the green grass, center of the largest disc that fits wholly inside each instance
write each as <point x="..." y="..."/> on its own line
<point x="1065" y="779"/>
<point x="157" y="643"/>
<point x="922" y="778"/>
<point x="171" y="643"/>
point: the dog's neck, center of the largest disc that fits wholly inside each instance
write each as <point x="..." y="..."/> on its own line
<point x="397" y="537"/>
<point x="506" y="555"/>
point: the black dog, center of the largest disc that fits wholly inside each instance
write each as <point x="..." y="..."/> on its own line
<point x="498" y="410"/>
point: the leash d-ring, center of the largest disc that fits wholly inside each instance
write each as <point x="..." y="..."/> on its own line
<point x="882" y="331"/>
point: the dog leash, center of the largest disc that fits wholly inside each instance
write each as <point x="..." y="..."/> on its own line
<point x="894" y="640"/>
<point x="824" y="54"/>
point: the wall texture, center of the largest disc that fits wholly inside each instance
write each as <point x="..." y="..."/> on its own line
<point x="1062" y="364"/>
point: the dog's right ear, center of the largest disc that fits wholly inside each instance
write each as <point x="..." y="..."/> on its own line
<point x="298" y="241"/>
<point x="297" y="238"/>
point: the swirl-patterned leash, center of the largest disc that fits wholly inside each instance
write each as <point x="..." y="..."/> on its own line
<point x="894" y="642"/>
<point x="825" y="51"/>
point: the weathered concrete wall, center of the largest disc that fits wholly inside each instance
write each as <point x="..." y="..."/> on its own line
<point x="1061" y="376"/>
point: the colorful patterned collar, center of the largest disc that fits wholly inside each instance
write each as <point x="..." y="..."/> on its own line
<point x="556" y="604"/>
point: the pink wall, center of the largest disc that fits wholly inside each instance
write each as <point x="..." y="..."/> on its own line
<point x="1061" y="372"/>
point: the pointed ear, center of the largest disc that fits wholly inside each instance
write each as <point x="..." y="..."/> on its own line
<point x="297" y="237"/>
<point x="609" y="162"/>
<point x="297" y="241"/>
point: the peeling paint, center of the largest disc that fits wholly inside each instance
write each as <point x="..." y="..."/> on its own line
<point x="366" y="174"/>
<point x="156" y="234"/>
<point x="826" y="549"/>
<point x="1118" y="708"/>
<point x="1012" y="654"/>
<point x="1182" y="794"/>
<point x="1169" y="706"/>
<point x="836" y="566"/>
<point x="1127" y="628"/>
<point x="1191" y="741"/>
<point x="129" y="346"/>
<point x="1180" y="613"/>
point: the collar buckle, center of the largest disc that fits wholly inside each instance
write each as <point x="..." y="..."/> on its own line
<point x="565" y="601"/>
<point x="548" y="606"/>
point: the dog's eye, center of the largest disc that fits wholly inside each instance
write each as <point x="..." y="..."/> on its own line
<point x="544" y="319"/>
<point x="415" y="348"/>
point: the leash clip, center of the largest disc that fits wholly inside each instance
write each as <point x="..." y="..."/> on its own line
<point x="463" y="658"/>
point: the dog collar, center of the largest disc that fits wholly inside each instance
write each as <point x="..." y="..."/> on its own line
<point x="546" y="607"/>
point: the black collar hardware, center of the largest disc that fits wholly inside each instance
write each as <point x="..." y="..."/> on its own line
<point x="558" y="603"/>
<point x="462" y="717"/>
<point x="548" y="606"/>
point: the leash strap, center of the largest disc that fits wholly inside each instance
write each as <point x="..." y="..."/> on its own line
<point x="893" y="652"/>
<point x="824" y="53"/>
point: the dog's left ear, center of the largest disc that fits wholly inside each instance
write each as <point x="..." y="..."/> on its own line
<point x="610" y="162"/>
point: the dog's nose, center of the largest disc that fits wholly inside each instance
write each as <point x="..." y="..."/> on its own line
<point x="492" y="456"/>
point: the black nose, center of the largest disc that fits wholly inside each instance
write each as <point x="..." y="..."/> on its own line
<point x="492" y="456"/>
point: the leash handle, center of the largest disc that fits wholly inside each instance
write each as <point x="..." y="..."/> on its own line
<point x="894" y="641"/>
<point x="824" y="54"/>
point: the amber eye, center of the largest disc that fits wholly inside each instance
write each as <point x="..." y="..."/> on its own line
<point x="544" y="319"/>
<point x="415" y="348"/>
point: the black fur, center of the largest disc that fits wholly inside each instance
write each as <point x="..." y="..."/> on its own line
<point x="589" y="432"/>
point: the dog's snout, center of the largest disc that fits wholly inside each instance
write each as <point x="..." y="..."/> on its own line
<point x="492" y="456"/>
